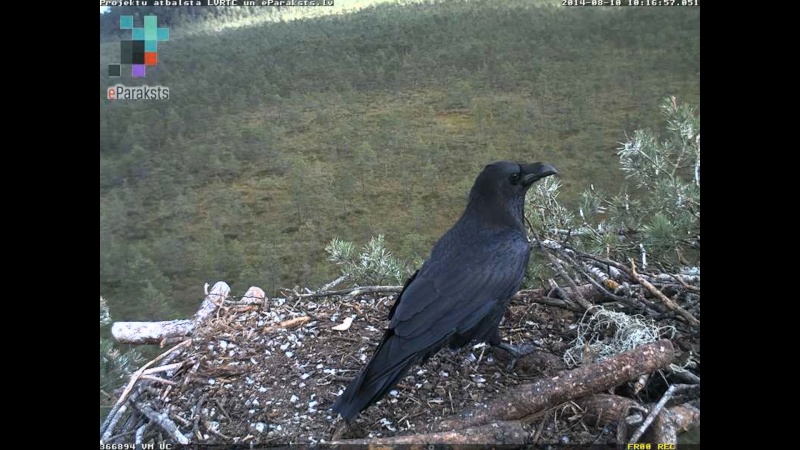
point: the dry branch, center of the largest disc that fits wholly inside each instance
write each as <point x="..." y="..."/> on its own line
<point x="664" y="299"/>
<point x="291" y="323"/>
<point x="602" y="409"/>
<point x="580" y="299"/>
<point x="672" y="420"/>
<point x="353" y="291"/>
<point x="657" y="409"/>
<point x="531" y="398"/>
<point x="113" y="417"/>
<point x="156" y="332"/>
<point x="116" y="411"/>
<point x="507" y="433"/>
<point x="587" y="291"/>
<point x="164" y="422"/>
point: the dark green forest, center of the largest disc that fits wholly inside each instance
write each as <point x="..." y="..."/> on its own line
<point x="279" y="137"/>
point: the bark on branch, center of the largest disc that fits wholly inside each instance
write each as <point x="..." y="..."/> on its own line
<point x="664" y="299"/>
<point x="158" y="332"/>
<point x="507" y="433"/>
<point x="528" y="399"/>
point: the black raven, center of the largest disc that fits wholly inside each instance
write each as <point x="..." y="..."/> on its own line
<point x="460" y="293"/>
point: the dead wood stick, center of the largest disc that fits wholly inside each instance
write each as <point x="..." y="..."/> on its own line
<point x="291" y="323"/>
<point x="602" y="409"/>
<point x="163" y="420"/>
<point x="668" y="422"/>
<point x="157" y="380"/>
<point x="684" y="284"/>
<point x="164" y="368"/>
<point x="333" y="283"/>
<point x="586" y="290"/>
<point x="685" y="416"/>
<point x="112" y="418"/>
<point x="121" y="435"/>
<point x="139" y="436"/>
<point x="105" y="430"/>
<point x="657" y="409"/>
<point x="557" y="302"/>
<point x="156" y="332"/>
<point x="580" y="299"/>
<point x="531" y="398"/>
<point x="664" y="299"/>
<point x="507" y="433"/>
<point x="353" y="291"/>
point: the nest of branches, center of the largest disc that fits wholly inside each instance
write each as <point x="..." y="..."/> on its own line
<point x="617" y="359"/>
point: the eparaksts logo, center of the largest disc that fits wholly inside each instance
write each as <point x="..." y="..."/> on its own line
<point x="144" y="92"/>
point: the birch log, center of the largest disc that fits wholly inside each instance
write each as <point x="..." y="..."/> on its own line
<point x="156" y="332"/>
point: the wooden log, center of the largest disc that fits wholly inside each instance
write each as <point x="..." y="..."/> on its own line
<point x="502" y="432"/>
<point x="163" y="421"/>
<point x="528" y="399"/>
<point x="603" y="409"/>
<point x="157" y="332"/>
<point x="670" y="421"/>
<point x="586" y="291"/>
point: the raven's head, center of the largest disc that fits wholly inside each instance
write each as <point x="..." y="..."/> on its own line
<point x="500" y="189"/>
<point x="509" y="179"/>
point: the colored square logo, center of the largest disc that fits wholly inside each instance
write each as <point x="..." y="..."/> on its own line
<point x="125" y="22"/>
<point x="150" y="58"/>
<point x="141" y="49"/>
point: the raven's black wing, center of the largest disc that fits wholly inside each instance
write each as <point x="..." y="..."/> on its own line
<point x="459" y="287"/>
<point x="450" y="297"/>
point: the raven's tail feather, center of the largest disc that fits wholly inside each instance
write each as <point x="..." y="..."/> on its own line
<point x="364" y="391"/>
<point x="388" y="366"/>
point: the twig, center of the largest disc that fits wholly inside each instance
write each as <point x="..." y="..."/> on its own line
<point x="557" y="302"/>
<point x="211" y="430"/>
<point x="139" y="437"/>
<point x="606" y="261"/>
<point x="224" y="413"/>
<point x="664" y="299"/>
<point x="566" y="298"/>
<point x="684" y="284"/>
<point x="606" y="293"/>
<point x="113" y="417"/>
<point x="105" y="430"/>
<point x="117" y="436"/>
<point x="353" y="291"/>
<point x="657" y="409"/>
<point x="196" y="415"/>
<point x="157" y="380"/>
<point x="333" y="283"/>
<point x="291" y="323"/>
<point x="164" y="368"/>
<point x="581" y="300"/>
<point x="163" y="420"/>
<point x="644" y="256"/>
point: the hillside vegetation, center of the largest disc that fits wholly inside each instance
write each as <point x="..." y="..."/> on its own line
<point x="279" y="137"/>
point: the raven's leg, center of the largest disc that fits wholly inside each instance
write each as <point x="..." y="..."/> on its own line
<point x="516" y="351"/>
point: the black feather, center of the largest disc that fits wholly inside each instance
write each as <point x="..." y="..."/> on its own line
<point x="460" y="293"/>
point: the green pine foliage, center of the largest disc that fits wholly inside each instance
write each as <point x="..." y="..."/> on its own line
<point x="115" y="366"/>
<point x="660" y="214"/>
<point x="374" y="265"/>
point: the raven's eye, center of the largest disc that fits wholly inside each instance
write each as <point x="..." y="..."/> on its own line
<point x="515" y="177"/>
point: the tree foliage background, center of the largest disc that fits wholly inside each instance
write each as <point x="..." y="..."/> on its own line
<point x="278" y="138"/>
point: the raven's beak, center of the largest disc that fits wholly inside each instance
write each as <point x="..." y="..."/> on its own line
<point x="537" y="171"/>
